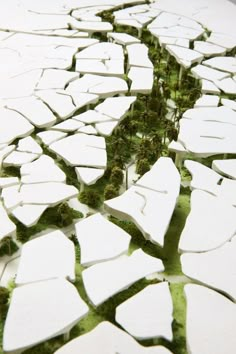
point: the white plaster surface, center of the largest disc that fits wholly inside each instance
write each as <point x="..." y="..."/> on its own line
<point x="49" y="193"/>
<point x="7" y="227"/>
<point x="211" y="319"/>
<point x="214" y="268"/>
<point x="103" y="280"/>
<point x="203" y="72"/>
<point x="122" y="38"/>
<point x="108" y="339"/>
<point x="46" y="257"/>
<point x="8" y="181"/>
<point x="50" y="136"/>
<point x="142" y="80"/>
<point x="210" y="223"/>
<point x="138" y="56"/>
<point x="32" y="319"/>
<point x="100" y="240"/>
<point x="148" y="314"/>
<point x="28" y="144"/>
<point x="82" y="150"/>
<point x="225" y="167"/>
<point x="89" y="176"/>
<point x="42" y="170"/>
<point x="19" y="158"/>
<point x="11" y="196"/>
<point x="115" y="107"/>
<point x="207" y="101"/>
<point x="208" y="49"/>
<point x="29" y="214"/>
<point x="227" y="64"/>
<point x="184" y="56"/>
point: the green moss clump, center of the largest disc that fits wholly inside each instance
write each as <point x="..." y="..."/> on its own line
<point x="60" y="216"/>
<point x="91" y="198"/>
<point x="4" y="297"/>
<point x="7" y="246"/>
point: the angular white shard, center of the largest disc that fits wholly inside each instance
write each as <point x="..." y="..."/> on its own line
<point x="148" y="314"/>
<point x="202" y="177"/>
<point x="208" y="49"/>
<point x="11" y="196"/>
<point x="55" y="79"/>
<point x="122" y="38"/>
<point x="229" y="103"/>
<point x="8" y="181"/>
<point x="33" y="319"/>
<point x="49" y="193"/>
<point x="69" y="125"/>
<point x="184" y="56"/>
<point x="138" y="56"/>
<point x="207" y="310"/>
<point x="209" y="87"/>
<point x="87" y="129"/>
<point x="106" y="128"/>
<point x="92" y="116"/>
<point x="100" y="240"/>
<point x="7" y="227"/>
<point x="19" y="158"/>
<point x="98" y="85"/>
<point x="227" y="85"/>
<point x="42" y="170"/>
<point x="103" y="280"/>
<point x="225" y="167"/>
<point x="142" y="80"/>
<point x="28" y="144"/>
<point x="108" y="339"/>
<point x="29" y="214"/>
<point x="163" y="177"/>
<point x="34" y="110"/>
<point x="182" y="42"/>
<point x="13" y="125"/>
<point x="82" y="150"/>
<point x="203" y="72"/>
<point x="214" y="268"/>
<point x="92" y="26"/>
<point x="177" y="31"/>
<point x="210" y="224"/>
<point x="38" y="262"/>
<point x="102" y="51"/>
<point x="50" y="136"/>
<point x="207" y="101"/>
<point x="227" y="64"/>
<point x="89" y="176"/>
<point x="115" y="107"/>
<point x="221" y="39"/>
<point x="110" y="67"/>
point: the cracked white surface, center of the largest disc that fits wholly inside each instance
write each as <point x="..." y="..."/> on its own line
<point x="117" y="341"/>
<point x="210" y="223"/>
<point x="214" y="268"/>
<point x="11" y="197"/>
<point x="38" y="263"/>
<point x="103" y="280"/>
<point x="203" y="72"/>
<point x="115" y="107"/>
<point x="29" y="214"/>
<point x="122" y="38"/>
<point x="55" y="79"/>
<point x="208" y="49"/>
<point x="89" y="175"/>
<point x="138" y="56"/>
<point x="207" y="310"/>
<point x="225" y="167"/>
<point x="227" y="64"/>
<point x="19" y="158"/>
<point x="7" y="227"/>
<point x="82" y="150"/>
<point x="207" y="101"/>
<point x="106" y="128"/>
<point x="28" y="144"/>
<point x="49" y="193"/>
<point x="50" y="136"/>
<point x="42" y="170"/>
<point x="148" y="314"/>
<point x="184" y="56"/>
<point x="100" y="240"/>
<point x="142" y="80"/>
<point x="33" y="319"/>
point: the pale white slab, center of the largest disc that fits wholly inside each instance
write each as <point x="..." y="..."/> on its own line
<point x="225" y="167"/>
<point x="42" y="170"/>
<point x="11" y="196"/>
<point x="48" y="137"/>
<point x="7" y="227"/>
<point x="214" y="268"/>
<point x="208" y="49"/>
<point x="102" y="51"/>
<point x="8" y="181"/>
<point x="122" y="38"/>
<point x="184" y="56"/>
<point x="82" y="150"/>
<point x="56" y="79"/>
<point x="142" y="80"/>
<point x="138" y="56"/>
<point x="227" y="85"/>
<point x="69" y="125"/>
<point x="207" y="101"/>
<point x="209" y="87"/>
<point x="108" y="339"/>
<point x="106" y="128"/>
<point x="29" y="214"/>
<point x="13" y="125"/>
<point x="210" y="224"/>
<point x="115" y="107"/>
<point x="87" y="129"/>
<point x="148" y="314"/>
<point x="103" y="280"/>
<point x="39" y="263"/>
<point x="49" y="193"/>
<point x="227" y="64"/>
<point x="28" y="144"/>
<point x="229" y="103"/>
<point x="104" y="243"/>
<point x="33" y="319"/>
<point x="34" y="110"/>
<point x="207" y="310"/>
<point x="203" y="72"/>
<point x="19" y="158"/>
<point x="89" y="176"/>
<point x="91" y="116"/>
